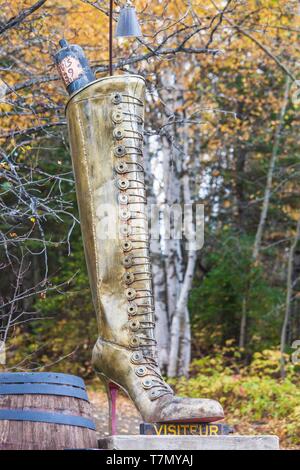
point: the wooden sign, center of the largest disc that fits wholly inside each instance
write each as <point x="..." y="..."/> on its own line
<point x="185" y="429"/>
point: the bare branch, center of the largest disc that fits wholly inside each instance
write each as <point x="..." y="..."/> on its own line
<point x="16" y="20"/>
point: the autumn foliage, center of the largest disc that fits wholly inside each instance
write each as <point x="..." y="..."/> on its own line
<point x="222" y="130"/>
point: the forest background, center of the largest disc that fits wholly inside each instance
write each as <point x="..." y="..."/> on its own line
<point x="222" y="127"/>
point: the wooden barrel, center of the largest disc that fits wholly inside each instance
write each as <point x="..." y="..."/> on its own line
<point x="45" y="411"/>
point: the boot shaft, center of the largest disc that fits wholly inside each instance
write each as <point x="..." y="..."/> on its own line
<point x="105" y="121"/>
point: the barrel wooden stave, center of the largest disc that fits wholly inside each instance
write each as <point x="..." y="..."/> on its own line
<point x="32" y="435"/>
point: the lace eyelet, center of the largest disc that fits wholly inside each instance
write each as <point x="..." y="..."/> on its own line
<point x="123" y="198"/>
<point x="128" y="278"/>
<point x="130" y="293"/>
<point x="125" y="214"/>
<point x="119" y="151"/>
<point x="134" y="341"/>
<point x="125" y="230"/>
<point x="147" y="383"/>
<point x="134" y="325"/>
<point x="121" y="167"/>
<point x="118" y="134"/>
<point x="141" y="371"/>
<point x="136" y="357"/>
<point x="123" y="183"/>
<point x="127" y="245"/>
<point x="128" y="261"/>
<point x="154" y="394"/>
<point x="117" y="98"/>
<point x="117" y="117"/>
<point x="132" y="309"/>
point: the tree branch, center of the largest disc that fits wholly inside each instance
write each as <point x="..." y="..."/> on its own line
<point x="16" y="20"/>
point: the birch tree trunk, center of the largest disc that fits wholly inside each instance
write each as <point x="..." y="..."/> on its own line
<point x="173" y="259"/>
<point x="268" y="189"/>
<point x="172" y="196"/>
<point x="158" y="273"/>
<point x="162" y="331"/>
<point x="179" y="318"/>
<point x="179" y="268"/>
<point x="185" y="352"/>
<point x="181" y="343"/>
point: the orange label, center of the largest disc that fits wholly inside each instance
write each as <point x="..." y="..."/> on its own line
<point x="70" y="69"/>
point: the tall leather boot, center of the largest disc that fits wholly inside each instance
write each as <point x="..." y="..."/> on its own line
<point x="105" y="121"/>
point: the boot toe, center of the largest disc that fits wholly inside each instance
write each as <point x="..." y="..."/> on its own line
<point x="193" y="410"/>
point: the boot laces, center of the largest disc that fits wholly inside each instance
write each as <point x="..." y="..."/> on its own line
<point x="130" y="124"/>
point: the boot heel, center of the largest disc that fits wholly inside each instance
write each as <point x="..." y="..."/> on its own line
<point x="112" y="392"/>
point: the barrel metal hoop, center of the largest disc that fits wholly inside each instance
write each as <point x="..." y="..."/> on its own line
<point x="44" y="417"/>
<point x="44" y="377"/>
<point x="42" y="389"/>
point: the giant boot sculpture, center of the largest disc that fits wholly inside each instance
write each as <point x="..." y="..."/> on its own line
<point x="105" y="122"/>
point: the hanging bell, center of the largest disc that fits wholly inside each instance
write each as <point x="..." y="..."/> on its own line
<point x="128" y="25"/>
